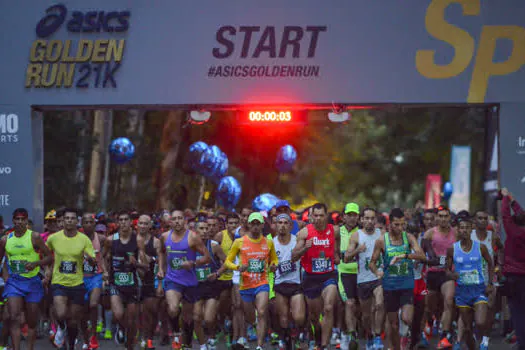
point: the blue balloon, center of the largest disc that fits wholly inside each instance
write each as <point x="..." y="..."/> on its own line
<point x="228" y="192"/>
<point x="121" y="150"/>
<point x="195" y="152"/>
<point x="223" y="167"/>
<point x="206" y="163"/>
<point x="286" y="157"/>
<point x="448" y="189"/>
<point x="264" y="202"/>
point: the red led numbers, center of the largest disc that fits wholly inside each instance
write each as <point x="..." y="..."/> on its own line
<point x="270" y="116"/>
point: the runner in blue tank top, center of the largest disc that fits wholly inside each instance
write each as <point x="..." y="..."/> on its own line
<point x="465" y="265"/>
<point x="177" y="265"/>
<point x="396" y="248"/>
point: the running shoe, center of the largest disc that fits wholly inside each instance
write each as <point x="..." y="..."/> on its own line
<point x="404" y="343"/>
<point x="60" y="337"/>
<point x="86" y="347"/>
<point x="345" y="341"/>
<point x="212" y="344"/>
<point x="149" y="344"/>
<point x="93" y="342"/>
<point x="457" y="346"/>
<point x="378" y="343"/>
<point x="370" y="344"/>
<point x="444" y="344"/>
<point x="176" y="344"/>
<point x="281" y="345"/>
<point x="252" y="334"/>
<point x="120" y="336"/>
<point x="108" y="334"/>
<point x="100" y="326"/>
<point x="483" y="346"/>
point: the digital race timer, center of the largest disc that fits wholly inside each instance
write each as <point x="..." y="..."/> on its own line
<point x="271" y="117"/>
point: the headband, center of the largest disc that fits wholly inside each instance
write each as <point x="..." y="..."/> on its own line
<point x="284" y="216"/>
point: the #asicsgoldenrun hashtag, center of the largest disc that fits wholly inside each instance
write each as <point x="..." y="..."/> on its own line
<point x="211" y="71"/>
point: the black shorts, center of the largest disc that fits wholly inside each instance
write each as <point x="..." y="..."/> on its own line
<point x="190" y="294"/>
<point x="435" y="279"/>
<point x="223" y="285"/>
<point x="148" y="291"/>
<point x="314" y="284"/>
<point x="365" y="290"/>
<point x="128" y="295"/>
<point x="396" y="299"/>
<point x="349" y="282"/>
<point x="76" y="295"/>
<point x="288" y="290"/>
<point x="208" y="290"/>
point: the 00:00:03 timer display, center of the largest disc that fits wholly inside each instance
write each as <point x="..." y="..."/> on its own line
<point x="270" y="116"/>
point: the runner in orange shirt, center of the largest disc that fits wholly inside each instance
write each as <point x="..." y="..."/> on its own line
<point x="256" y="254"/>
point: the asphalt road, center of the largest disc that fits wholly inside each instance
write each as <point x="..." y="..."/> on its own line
<point x="495" y="343"/>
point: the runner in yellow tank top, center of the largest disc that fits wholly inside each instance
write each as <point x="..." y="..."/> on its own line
<point x="225" y="238"/>
<point x="67" y="286"/>
<point x="23" y="286"/>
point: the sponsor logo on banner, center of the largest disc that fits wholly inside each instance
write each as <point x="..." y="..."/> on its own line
<point x="4" y="200"/>
<point x="8" y="128"/>
<point x="247" y="44"/>
<point x="80" y="63"/>
<point x="521" y="145"/>
<point x="5" y="170"/>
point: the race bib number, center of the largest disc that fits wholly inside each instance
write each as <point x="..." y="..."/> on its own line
<point x="321" y="265"/>
<point x="442" y="261"/>
<point x="469" y="277"/>
<point x="18" y="266"/>
<point x="68" y="267"/>
<point x="286" y="267"/>
<point x="88" y="268"/>
<point x="202" y="274"/>
<point x="176" y="263"/>
<point x="255" y="266"/>
<point x="124" y="279"/>
<point x="399" y="269"/>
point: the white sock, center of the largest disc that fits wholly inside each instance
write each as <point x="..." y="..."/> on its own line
<point x="109" y="318"/>
<point x="485" y="341"/>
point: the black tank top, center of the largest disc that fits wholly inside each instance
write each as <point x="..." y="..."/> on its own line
<point x="123" y="272"/>
<point x="149" y="276"/>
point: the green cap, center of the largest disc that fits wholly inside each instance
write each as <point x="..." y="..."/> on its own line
<point x="351" y="208"/>
<point x="255" y="216"/>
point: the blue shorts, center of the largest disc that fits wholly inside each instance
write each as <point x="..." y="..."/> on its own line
<point x="248" y="295"/>
<point x="92" y="282"/>
<point x="30" y="289"/>
<point x="190" y="294"/>
<point x="314" y="284"/>
<point x="468" y="296"/>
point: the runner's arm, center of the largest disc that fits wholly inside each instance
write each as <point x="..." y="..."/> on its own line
<point x="2" y="247"/>
<point x="41" y="247"/>
<point x="196" y="244"/>
<point x="162" y="257"/>
<point x="498" y="263"/>
<point x="337" y="252"/>
<point x="234" y="250"/>
<point x="378" y="249"/>
<point x="301" y="246"/>
<point x="106" y="256"/>
<point x="218" y="237"/>
<point x="219" y="253"/>
<point x="418" y="252"/>
<point x="89" y="251"/>
<point x="490" y="265"/>
<point x="426" y="245"/>
<point x="450" y="264"/>
<point x="143" y="263"/>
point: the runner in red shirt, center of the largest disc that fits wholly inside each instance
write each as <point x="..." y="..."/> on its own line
<point x="318" y="245"/>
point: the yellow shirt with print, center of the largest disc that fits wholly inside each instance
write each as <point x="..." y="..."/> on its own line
<point x="69" y="257"/>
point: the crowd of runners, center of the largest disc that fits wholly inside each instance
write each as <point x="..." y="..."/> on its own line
<point x="315" y="279"/>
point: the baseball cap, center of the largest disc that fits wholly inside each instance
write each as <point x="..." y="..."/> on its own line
<point x="351" y="208"/>
<point x="100" y="228"/>
<point x="255" y="216"/>
<point x="282" y="203"/>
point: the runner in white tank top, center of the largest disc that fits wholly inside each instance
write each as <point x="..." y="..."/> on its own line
<point x="287" y="286"/>
<point x="369" y="288"/>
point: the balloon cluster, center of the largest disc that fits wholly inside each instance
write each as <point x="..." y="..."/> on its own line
<point x="264" y="202"/>
<point x="208" y="161"/>
<point x="228" y="192"/>
<point x="121" y="150"/>
<point x="448" y="189"/>
<point x="212" y="163"/>
<point x="286" y="157"/>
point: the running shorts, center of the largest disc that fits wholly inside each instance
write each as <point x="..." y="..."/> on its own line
<point x="420" y="290"/>
<point x="128" y="295"/>
<point x="209" y="290"/>
<point x="76" y="294"/>
<point x="396" y="299"/>
<point x="288" y="290"/>
<point x="314" y="284"/>
<point x="348" y="286"/>
<point x="91" y="283"/>
<point x="365" y="290"/>
<point x="468" y="296"/>
<point x="190" y="294"/>
<point x="435" y="279"/>
<point x="30" y="289"/>
<point x="248" y="295"/>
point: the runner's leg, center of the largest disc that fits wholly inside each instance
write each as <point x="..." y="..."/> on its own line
<point x="328" y="296"/>
<point x="32" y="318"/>
<point x="15" y="307"/>
<point x="261" y="305"/>
<point x="447" y="290"/>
